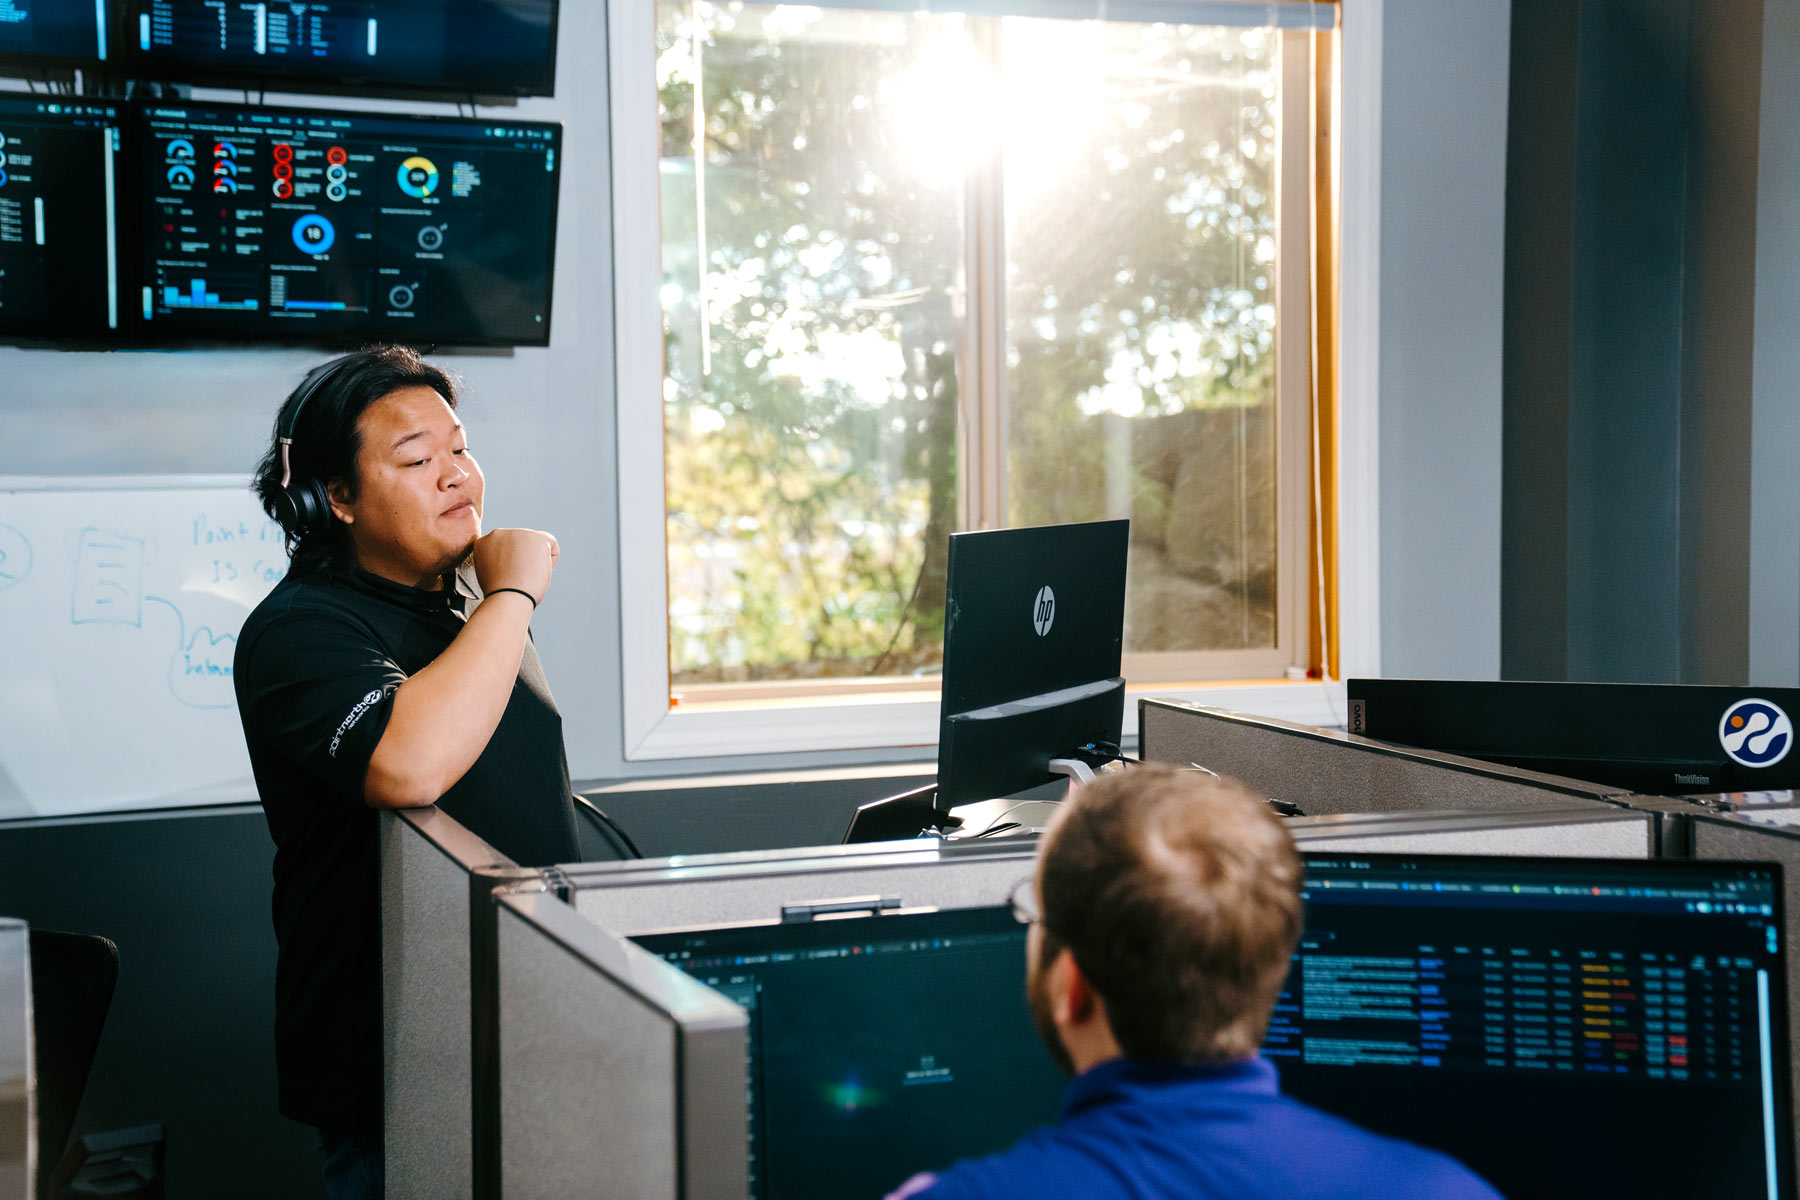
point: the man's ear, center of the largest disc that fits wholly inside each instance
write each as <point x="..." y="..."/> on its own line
<point x="1072" y="997"/>
<point x="339" y="495"/>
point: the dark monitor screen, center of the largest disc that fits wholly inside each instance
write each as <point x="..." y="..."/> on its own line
<point x="53" y="32"/>
<point x="481" y="46"/>
<point x="1034" y="634"/>
<point x="1541" y="1020"/>
<point x="311" y="225"/>
<point x="879" y="1047"/>
<point x="1661" y="739"/>
<point x="59" y="256"/>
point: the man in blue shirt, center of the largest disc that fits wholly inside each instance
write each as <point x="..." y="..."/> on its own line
<point x="1164" y="916"/>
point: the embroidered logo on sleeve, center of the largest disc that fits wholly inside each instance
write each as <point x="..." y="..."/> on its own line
<point x="356" y="714"/>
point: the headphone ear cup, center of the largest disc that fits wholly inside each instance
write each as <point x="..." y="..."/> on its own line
<point x="311" y="505"/>
<point x="285" y="516"/>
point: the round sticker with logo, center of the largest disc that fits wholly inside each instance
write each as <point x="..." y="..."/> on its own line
<point x="1043" y="612"/>
<point x="1756" y="733"/>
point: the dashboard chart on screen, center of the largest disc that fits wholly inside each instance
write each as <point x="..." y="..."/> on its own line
<point x="59" y="261"/>
<point x="291" y="224"/>
<point x="53" y="32"/>
<point x="487" y="46"/>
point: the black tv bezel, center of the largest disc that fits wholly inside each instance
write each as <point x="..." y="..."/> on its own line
<point x="135" y="64"/>
<point x="144" y="333"/>
<point x="28" y="332"/>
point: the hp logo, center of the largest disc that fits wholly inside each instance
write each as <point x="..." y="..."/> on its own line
<point x="1043" y="613"/>
<point x="1756" y="733"/>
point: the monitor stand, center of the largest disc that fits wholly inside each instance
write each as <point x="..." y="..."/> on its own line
<point x="896" y="818"/>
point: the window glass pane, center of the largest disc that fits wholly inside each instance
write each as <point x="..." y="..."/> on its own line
<point x="1140" y="230"/>
<point x="812" y="260"/>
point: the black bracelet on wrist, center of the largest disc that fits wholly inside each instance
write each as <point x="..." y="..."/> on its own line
<point x="521" y="591"/>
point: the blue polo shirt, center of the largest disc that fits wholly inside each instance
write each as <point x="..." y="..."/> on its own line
<point x="1149" y="1131"/>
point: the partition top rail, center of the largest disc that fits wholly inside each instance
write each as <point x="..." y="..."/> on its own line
<point x="1362" y="825"/>
<point x="796" y="861"/>
<point x="452" y="837"/>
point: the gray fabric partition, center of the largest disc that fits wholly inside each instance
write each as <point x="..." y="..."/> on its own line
<point x="1585" y="832"/>
<point x="620" y="1077"/>
<point x="1325" y="771"/>
<point x="18" y="1116"/>
<point x="630" y="898"/>
<point x="589" y="1085"/>
<point x="427" y="864"/>
<point x="634" y="897"/>
<point x="1765" y="837"/>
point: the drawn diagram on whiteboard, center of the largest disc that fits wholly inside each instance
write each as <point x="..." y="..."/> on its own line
<point x="200" y="671"/>
<point x="109" y="579"/>
<point x="15" y="557"/>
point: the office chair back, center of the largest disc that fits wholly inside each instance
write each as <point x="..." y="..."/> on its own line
<point x="72" y="980"/>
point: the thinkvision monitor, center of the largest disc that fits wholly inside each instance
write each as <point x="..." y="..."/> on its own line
<point x="879" y="1047"/>
<point x="490" y="47"/>
<point x="324" y="226"/>
<point x="1537" y="1019"/>
<point x="59" y="256"/>
<point x="1662" y="739"/>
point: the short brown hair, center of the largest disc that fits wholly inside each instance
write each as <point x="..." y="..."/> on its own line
<point x="1179" y="895"/>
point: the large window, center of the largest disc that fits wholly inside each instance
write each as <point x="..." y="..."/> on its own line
<point x="921" y="271"/>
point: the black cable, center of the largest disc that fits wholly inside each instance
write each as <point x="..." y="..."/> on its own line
<point x="610" y="826"/>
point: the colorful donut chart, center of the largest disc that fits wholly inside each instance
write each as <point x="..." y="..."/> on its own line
<point x="418" y="177"/>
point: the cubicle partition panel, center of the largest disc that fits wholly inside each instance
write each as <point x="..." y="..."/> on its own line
<point x="712" y="889"/>
<point x="428" y="867"/>
<point x="651" y="894"/>
<point x="1772" y="836"/>
<point x="1590" y="831"/>
<point x="619" y="1076"/>
<point x="18" y="1076"/>
<point x="1327" y="771"/>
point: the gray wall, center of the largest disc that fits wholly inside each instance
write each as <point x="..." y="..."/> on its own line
<point x="1774" y="618"/>
<point x="1652" y="517"/>
<point x="1443" y="165"/>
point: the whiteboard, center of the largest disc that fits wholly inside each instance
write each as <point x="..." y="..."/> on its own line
<point x="120" y="605"/>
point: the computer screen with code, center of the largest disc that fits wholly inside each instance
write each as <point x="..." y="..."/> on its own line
<point x="319" y="225"/>
<point x="504" y="47"/>
<point x="59" y="255"/>
<point x="53" y="32"/>
<point x="879" y="1046"/>
<point x="1566" y="1028"/>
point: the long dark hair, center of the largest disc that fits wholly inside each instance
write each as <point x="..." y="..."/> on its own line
<point x="327" y="439"/>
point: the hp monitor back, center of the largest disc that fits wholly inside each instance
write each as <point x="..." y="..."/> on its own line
<point x="1034" y="632"/>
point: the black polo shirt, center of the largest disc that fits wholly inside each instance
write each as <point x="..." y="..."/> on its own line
<point x="316" y="669"/>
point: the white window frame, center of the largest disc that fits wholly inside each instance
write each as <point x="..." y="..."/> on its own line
<point x="880" y="719"/>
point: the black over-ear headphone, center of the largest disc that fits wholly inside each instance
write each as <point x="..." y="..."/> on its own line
<point x="303" y="506"/>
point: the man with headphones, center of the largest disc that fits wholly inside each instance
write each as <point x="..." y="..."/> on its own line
<point x="392" y="668"/>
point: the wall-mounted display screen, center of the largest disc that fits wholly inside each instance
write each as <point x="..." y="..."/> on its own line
<point x="59" y="260"/>
<point x="310" y="225"/>
<point x="50" y="32"/>
<point x="482" y="46"/>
